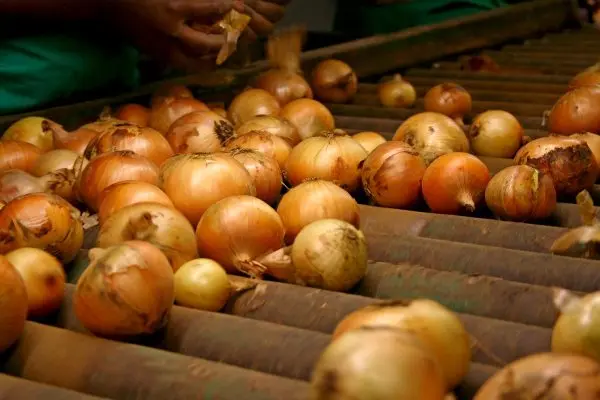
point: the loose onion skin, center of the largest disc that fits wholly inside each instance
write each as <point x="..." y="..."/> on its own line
<point x="589" y="77"/>
<point x="313" y="200"/>
<point x="199" y="132"/>
<point x="455" y="182"/>
<point x="33" y="130"/>
<point x="18" y="155"/>
<point x="134" y="113"/>
<point x="171" y="109"/>
<point x="391" y="175"/>
<point x="271" y="125"/>
<point x="432" y="135"/>
<point x="13" y="304"/>
<point x="593" y="141"/>
<point x="265" y="173"/>
<point x="569" y="162"/>
<point x="334" y="157"/>
<point x="557" y="376"/>
<point x="334" y="81"/>
<point x="495" y="133"/>
<point x="222" y="233"/>
<point x="43" y="221"/>
<point x="270" y="145"/>
<point x="449" y="99"/>
<point x="79" y="139"/>
<point x="109" y="168"/>
<point x="194" y="182"/>
<point x="55" y="160"/>
<point x="308" y="116"/>
<point x="202" y="284"/>
<point x="252" y="103"/>
<point x="126" y="193"/>
<point x="127" y="290"/>
<point x="284" y="85"/>
<point x="44" y="279"/>
<point x="170" y="91"/>
<point x="576" y="112"/>
<point x="369" y="140"/>
<point x="397" y="93"/>
<point x="521" y="193"/>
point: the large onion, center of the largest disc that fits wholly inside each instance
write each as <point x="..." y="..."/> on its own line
<point x="126" y="290"/>
<point x="237" y="230"/>
<point x="194" y="182"/>
<point x="252" y="103"/>
<point x="199" y="132"/>
<point x="202" y="284"/>
<point x="576" y="112"/>
<point x="308" y="116"/>
<point x="270" y="145"/>
<point x="432" y="135"/>
<point x="155" y="223"/>
<point x="496" y="133"/>
<point x="43" y="221"/>
<point x="265" y="173"/>
<point x="79" y="139"/>
<point x="593" y="141"/>
<point x="55" y="160"/>
<point x="272" y="125"/>
<point x="449" y="99"/>
<point x="334" y="81"/>
<point x="13" y="304"/>
<point x="171" y="109"/>
<point x="369" y="140"/>
<point x="333" y="157"/>
<point x="33" y="130"/>
<point x="134" y="113"/>
<point x="18" y="155"/>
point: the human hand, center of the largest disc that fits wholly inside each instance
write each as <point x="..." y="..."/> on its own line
<point x="265" y="14"/>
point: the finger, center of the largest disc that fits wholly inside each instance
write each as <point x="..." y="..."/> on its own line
<point x="203" y="8"/>
<point x="259" y="24"/>
<point x="272" y="12"/>
<point x="200" y="42"/>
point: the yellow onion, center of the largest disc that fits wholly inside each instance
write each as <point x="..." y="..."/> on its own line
<point x="79" y="139"/>
<point x="271" y="125"/>
<point x="155" y="223"/>
<point x="284" y="85"/>
<point x="449" y="99"/>
<point x="134" y="113"/>
<point x="202" y="284"/>
<point x="265" y="173"/>
<point x="15" y="183"/>
<point x="252" y="103"/>
<point x="576" y="112"/>
<point x="369" y="140"/>
<point x="495" y="133"/>
<point x="55" y="160"/>
<point x="170" y="91"/>
<point x="588" y="77"/>
<point x="199" y="132"/>
<point x="270" y="145"/>
<point x="171" y="109"/>
<point x="334" y="81"/>
<point x="33" y="130"/>
<point x="18" y="155"/>
<point x="397" y="93"/>
<point x="127" y="290"/>
<point x="13" y="304"/>
<point x="308" y="116"/>
<point x="592" y="140"/>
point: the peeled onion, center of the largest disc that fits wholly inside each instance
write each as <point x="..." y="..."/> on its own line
<point x="199" y="132"/>
<point x="576" y="112"/>
<point x="369" y="140"/>
<point x="270" y="145"/>
<point x="271" y="125"/>
<point x="170" y="91"/>
<point x="18" y="155"/>
<point x="134" y="113"/>
<point x="44" y="279"/>
<point x="265" y="173"/>
<point x="334" y="81"/>
<point x="392" y="174"/>
<point x="593" y="141"/>
<point x="55" y="160"/>
<point x="284" y="85"/>
<point x="202" y="284"/>
<point x="449" y="99"/>
<point x="252" y="103"/>
<point x="127" y="290"/>
<point x="397" y="93"/>
<point x="308" y="116"/>
<point x="33" y="130"/>
<point x="495" y="133"/>
<point x="171" y="109"/>
<point x="13" y="304"/>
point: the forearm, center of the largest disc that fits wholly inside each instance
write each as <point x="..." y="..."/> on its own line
<point x="56" y="9"/>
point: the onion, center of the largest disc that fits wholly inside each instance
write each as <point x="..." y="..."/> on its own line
<point x="588" y="77"/>
<point x="170" y="110"/>
<point x="123" y="194"/>
<point x="15" y="183"/>
<point x="397" y="93"/>
<point x="170" y="91"/>
<point x="237" y="230"/>
<point x="334" y="157"/>
<point x="449" y="99"/>
<point x="252" y="103"/>
<point x="495" y="133"/>
<point x="18" y="155"/>
<point x="44" y="279"/>
<point x="43" y="221"/>
<point x="569" y="162"/>
<point x="553" y="376"/>
<point x="13" y="304"/>
<point x="334" y="81"/>
<point x="308" y="116"/>
<point x="377" y="363"/>
<point x="265" y="173"/>
<point x="270" y="145"/>
<point x="55" y="160"/>
<point x="576" y="112"/>
<point x="155" y="223"/>
<point x="134" y="113"/>
<point x="127" y="290"/>
<point x="369" y="140"/>
<point x="284" y="85"/>
<point x="194" y="182"/>
<point x="439" y="328"/>
<point x="220" y="111"/>
<point x="392" y="174"/>
<point x="455" y="182"/>
<point x="271" y="125"/>
<point x="202" y="284"/>
<point x="313" y="200"/>
<point x="432" y="135"/>
<point x="521" y="193"/>
<point x="593" y="141"/>
<point x="33" y="130"/>
<point x="199" y="132"/>
<point x="79" y="139"/>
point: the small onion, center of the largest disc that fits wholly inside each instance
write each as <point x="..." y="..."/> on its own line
<point x="194" y="182"/>
<point x="252" y="103"/>
<point x="369" y="140"/>
<point x="392" y="174"/>
<point x="18" y="155"/>
<point x="272" y="125"/>
<point x="33" y="130"/>
<point x="170" y="110"/>
<point x="576" y="112"/>
<point x="43" y="221"/>
<point x="284" y="85"/>
<point x="553" y="376"/>
<point x="521" y="193"/>
<point x="265" y="173"/>
<point x="237" y="230"/>
<point x="313" y="200"/>
<point x="44" y="279"/>
<point x="308" y="116"/>
<point x="202" y="284"/>
<point x="495" y="133"/>
<point x="397" y="93"/>
<point x="334" y="157"/>
<point x="449" y="99"/>
<point x="13" y="304"/>
<point x="127" y="290"/>
<point x="270" y="145"/>
<point x="593" y="141"/>
<point x="588" y="77"/>
<point x="170" y="91"/>
<point x="569" y="162"/>
<point x="55" y="160"/>
<point x="134" y="113"/>
<point x="334" y="81"/>
<point x="377" y="363"/>
<point x="432" y="135"/>
<point x="199" y="132"/>
<point x="79" y="139"/>
<point x="455" y="182"/>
